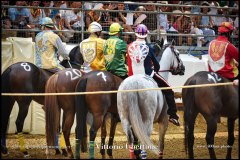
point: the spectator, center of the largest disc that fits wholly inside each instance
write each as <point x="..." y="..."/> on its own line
<point x="196" y="8"/>
<point x="163" y="18"/>
<point x="59" y="23"/>
<point x="206" y="23"/>
<point x="73" y="19"/>
<point x="7" y="24"/>
<point x="46" y="12"/>
<point x="106" y="19"/>
<point x="19" y="17"/>
<point x="93" y="15"/>
<point x="137" y="15"/>
<point x="4" y="11"/>
<point x="57" y="4"/>
<point x="151" y="21"/>
<point x="34" y="18"/>
<point x="120" y="17"/>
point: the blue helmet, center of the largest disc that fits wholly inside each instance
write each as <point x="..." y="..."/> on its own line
<point x="46" y="21"/>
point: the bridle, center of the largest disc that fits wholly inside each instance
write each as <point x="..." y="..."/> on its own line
<point x="180" y="69"/>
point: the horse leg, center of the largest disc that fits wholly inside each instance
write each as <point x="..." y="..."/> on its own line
<point x="69" y="119"/>
<point x="23" y="111"/>
<point x="231" y="122"/>
<point x="163" y="125"/>
<point x="211" y="130"/>
<point x="62" y="139"/>
<point x="114" y="121"/>
<point x="97" y="122"/>
<point x="189" y="133"/>
<point x="136" y="147"/>
<point x="7" y="105"/>
<point x="103" y="137"/>
<point x="128" y="131"/>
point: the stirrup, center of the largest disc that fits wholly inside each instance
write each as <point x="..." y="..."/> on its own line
<point x="174" y="121"/>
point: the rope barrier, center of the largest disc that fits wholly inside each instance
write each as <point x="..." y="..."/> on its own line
<point x="115" y="91"/>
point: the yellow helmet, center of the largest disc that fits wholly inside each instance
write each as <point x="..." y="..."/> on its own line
<point x="115" y="28"/>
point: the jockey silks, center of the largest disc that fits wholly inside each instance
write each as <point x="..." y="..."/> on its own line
<point x="141" y="59"/>
<point x="115" y="56"/>
<point x="92" y="52"/>
<point x="48" y="45"/>
<point x="221" y="56"/>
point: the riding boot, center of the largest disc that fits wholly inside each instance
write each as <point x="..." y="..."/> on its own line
<point x="172" y="109"/>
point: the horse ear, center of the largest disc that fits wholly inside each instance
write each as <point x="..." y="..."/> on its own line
<point x="173" y="42"/>
<point x="160" y="43"/>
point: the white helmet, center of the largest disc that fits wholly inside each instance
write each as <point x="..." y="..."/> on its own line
<point x="94" y="27"/>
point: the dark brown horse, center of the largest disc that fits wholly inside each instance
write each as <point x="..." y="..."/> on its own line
<point x="98" y="105"/>
<point x="25" y="77"/>
<point x="61" y="82"/>
<point x="212" y="102"/>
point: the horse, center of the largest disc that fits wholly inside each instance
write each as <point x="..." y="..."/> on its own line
<point x="25" y="77"/>
<point x="62" y="81"/>
<point x="98" y="105"/>
<point x="140" y="109"/>
<point x="212" y="103"/>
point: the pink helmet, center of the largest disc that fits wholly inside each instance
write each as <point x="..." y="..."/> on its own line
<point x="141" y="31"/>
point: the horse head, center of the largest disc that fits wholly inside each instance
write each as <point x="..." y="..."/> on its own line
<point x="76" y="59"/>
<point x="170" y="60"/>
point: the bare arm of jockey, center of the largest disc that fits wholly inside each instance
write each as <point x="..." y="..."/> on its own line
<point x="61" y="49"/>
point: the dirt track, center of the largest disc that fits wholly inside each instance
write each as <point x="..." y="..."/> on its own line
<point x="174" y="146"/>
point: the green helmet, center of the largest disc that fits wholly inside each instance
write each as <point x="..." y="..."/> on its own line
<point x="46" y="21"/>
<point x="115" y="28"/>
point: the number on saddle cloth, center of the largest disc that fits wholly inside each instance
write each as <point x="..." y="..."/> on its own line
<point x="138" y="53"/>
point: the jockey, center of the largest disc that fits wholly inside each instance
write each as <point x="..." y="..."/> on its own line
<point x="141" y="60"/>
<point x="115" y="52"/>
<point x="48" y="46"/>
<point x="92" y="49"/>
<point x="222" y="54"/>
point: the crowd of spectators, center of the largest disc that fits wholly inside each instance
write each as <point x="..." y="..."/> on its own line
<point x="203" y="22"/>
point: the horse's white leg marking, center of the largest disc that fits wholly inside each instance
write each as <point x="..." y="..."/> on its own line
<point x="103" y="76"/>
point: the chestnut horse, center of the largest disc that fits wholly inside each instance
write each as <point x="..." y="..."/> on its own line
<point x="98" y="105"/>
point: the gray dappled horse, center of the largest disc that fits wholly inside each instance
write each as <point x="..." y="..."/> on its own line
<point x="139" y="110"/>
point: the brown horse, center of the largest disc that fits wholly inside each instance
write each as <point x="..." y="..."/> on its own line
<point x="25" y="77"/>
<point x="62" y="81"/>
<point x="98" y="105"/>
<point x="212" y="103"/>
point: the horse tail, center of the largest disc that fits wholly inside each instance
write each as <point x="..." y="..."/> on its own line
<point x="188" y="105"/>
<point x="52" y="111"/>
<point x="7" y="101"/>
<point x="81" y="110"/>
<point x="137" y="123"/>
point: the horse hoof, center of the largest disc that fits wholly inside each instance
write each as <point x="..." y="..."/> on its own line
<point x="26" y="156"/>
<point x="4" y="151"/>
<point x="103" y="156"/>
<point x="64" y="153"/>
<point x="57" y="152"/>
<point x="111" y="157"/>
